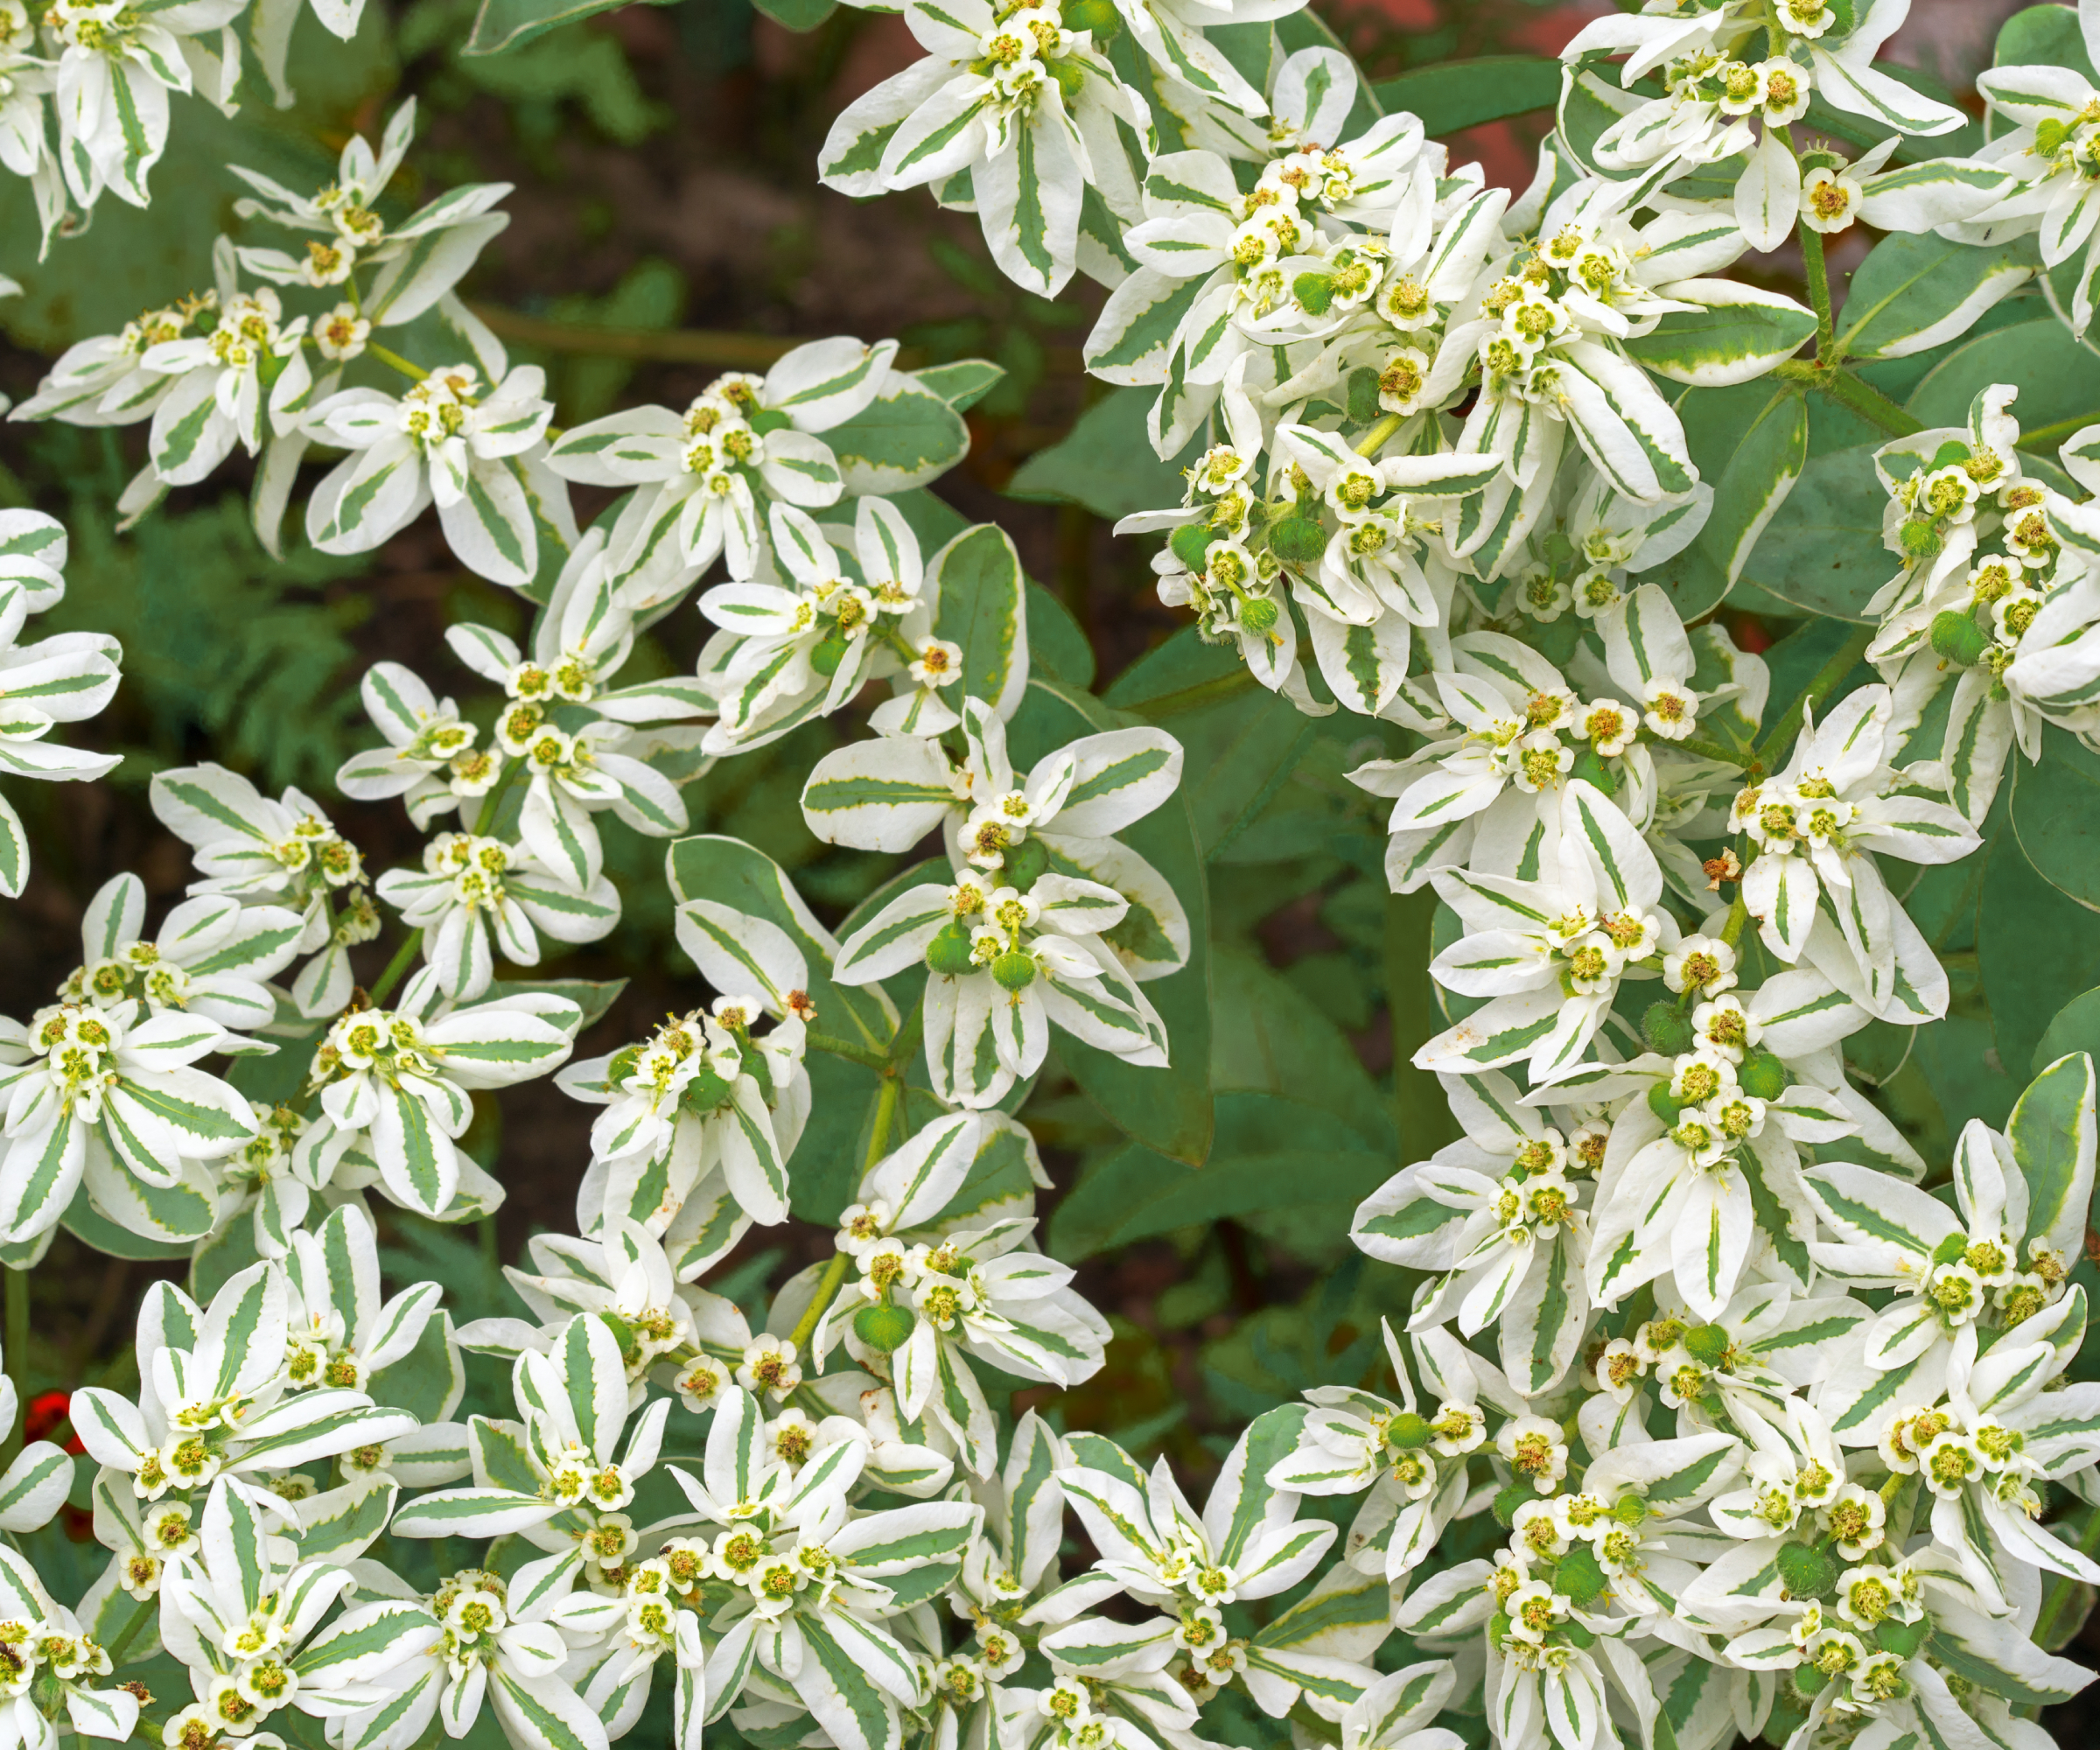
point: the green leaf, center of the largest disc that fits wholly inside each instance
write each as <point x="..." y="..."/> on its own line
<point x="907" y="436"/>
<point x="1270" y="1151"/>
<point x="2076" y="1027"/>
<point x="982" y="609"/>
<point x="1915" y="291"/>
<point x="1453" y="95"/>
<point x="1822" y="551"/>
<point x="511" y="23"/>
<point x="1759" y="463"/>
<point x="2056" y="815"/>
<point x="1105" y="463"/>
<point x="1241" y="741"/>
<point x="1722" y="343"/>
<point x="2059" y="379"/>
<point x="2044" y="36"/>
<point x="2037" y="950"/>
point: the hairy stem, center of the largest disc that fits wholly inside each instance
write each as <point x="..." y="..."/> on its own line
<point x="1713" y="750"/>
<point x="1819" y="288"/>
<point x="846" y="1048"/>
<point x="392" y="360"/>
<point x="1842" y="387"/>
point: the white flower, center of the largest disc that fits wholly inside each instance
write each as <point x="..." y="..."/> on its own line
<point x="704" y="477"/>
<point x="1830" y="200"/>
<point x="476" y="454"/>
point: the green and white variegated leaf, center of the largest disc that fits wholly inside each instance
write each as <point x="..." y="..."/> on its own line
<point x="883" y="794"/>
<point x="472" y="1513"/>
<point x="982" y="606"/>
<point x="2053" y="1133"/>
<point x="1739" y="332"/>
<point x="907" y="437"/>
<point x="364" y="1641"/>
<point x="837" y="1683"/>
<point x="1765" y="461"/>
<point x="1542" y="1325"/>
<point x="738" y="954"/>
<point x="1913" y="292"/>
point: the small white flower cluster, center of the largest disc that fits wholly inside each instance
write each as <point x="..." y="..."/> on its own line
<point x="1770" y="1432"/>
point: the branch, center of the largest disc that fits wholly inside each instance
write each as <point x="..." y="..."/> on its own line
<point x="1848" y="391"/>
<point x="1812" y="694"/>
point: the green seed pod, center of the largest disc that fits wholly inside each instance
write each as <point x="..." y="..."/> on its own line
<point x="1811" y="1680"/>
<point x="1577" y="1635"/>
<point x="1259" y="614"/>
<point x="1665" y="1104"/>
<point x="1014" y="970"/>
<point x="1903" y="1638"/>
<point x="1581" y="1576"/>
<point x="1190" y="542"/>
<point x="885" y="1328"/>
<point x="766" y="419"/>
<point x="1509" y="1500"/>
<point x="1026" y="863"/>
<point x="1706" y="1344"/>
<point x="1315" y="291"/>
<point x="1950" y="1249"/>
<point x="1763" y="1076"/>
<point x="828" y="655"/>
<point x="1070" y="75"/>
<point x="1666" y="1029"/>
<point x="1806" y="1572"/>
<point x="1958" y="638"/>
<point x="949" y="954"/>
<point x="1948" y="454"/>
<point x="1407" y="1431"/>
<point x="2049" y="135"/>
<point x="1298" y="540"/>
<point x="1921" y="540"/>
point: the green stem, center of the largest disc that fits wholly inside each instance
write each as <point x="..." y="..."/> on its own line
<point x="1847" y="389"/>
<point x="1819" y="289"/>
<point x="1825" y="678"/>
<point x="838" y="1048"/>
<point x="1713" y="750"/>
<point x="1374" y="439"/>
<point x="18" y="1357"/>
<point x="2043" y="439"/>
<point x="397" y="968"/>
<point x="394" y="362"/>
<point x="2059" y="1594"/>
<point x="1739" y="914"/>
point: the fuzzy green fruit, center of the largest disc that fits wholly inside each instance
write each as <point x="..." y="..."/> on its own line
<point x="885" y="1328"/>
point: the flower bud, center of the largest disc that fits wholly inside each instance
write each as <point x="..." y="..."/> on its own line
<point x="1665" y="1104"/>
<point x="1581" y="1576"/>
<point x="1920" y="539"/>
<point x="1706" y="1344"/>
<point x="1258" y="615"/>
<point x="1315" y="293"/>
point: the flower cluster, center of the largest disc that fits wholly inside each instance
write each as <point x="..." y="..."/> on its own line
<point x="1716" y="1400"/>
